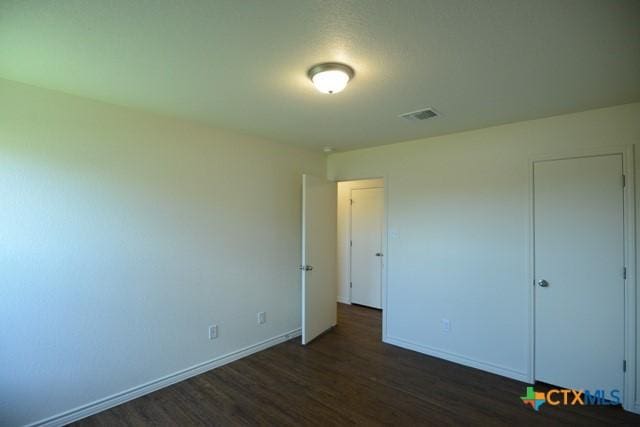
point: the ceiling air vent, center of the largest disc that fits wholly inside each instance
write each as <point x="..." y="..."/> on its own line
<point x="424" y="114"/>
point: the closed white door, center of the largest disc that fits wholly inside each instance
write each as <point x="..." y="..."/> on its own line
<point x="318" y="268"/>
<point x="579" y="260"/>
<point x="366" y="246"/>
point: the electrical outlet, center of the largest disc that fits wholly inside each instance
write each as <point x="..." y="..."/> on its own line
<point x="446" y="325"/>
<point x="262" y="318"/>
<point x="213" y="332"/>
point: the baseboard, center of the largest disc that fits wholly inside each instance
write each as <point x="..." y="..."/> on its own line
<point x="456" y="358"/>
<point x="343" y="300"/>
<point x="138" y="391"/>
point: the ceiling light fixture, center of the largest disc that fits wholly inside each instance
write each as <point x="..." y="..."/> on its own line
<point x="330" y="77"/>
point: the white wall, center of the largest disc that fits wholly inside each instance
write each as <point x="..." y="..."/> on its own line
<point x="344" y="233"/>
<point x="124" y="236"/>
<point x="458" y="206"/>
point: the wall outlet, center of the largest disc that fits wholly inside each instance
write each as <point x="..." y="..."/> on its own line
<point x="213" y="332"/>
<point x="446" y="325"/>
<point x="262" y="318"/>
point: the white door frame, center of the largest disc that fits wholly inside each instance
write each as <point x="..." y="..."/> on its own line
<point x="627" y="152"/>
<point x="384" y="229"/>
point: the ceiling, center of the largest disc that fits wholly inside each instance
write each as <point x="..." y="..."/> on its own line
<point x="242" y="65"/>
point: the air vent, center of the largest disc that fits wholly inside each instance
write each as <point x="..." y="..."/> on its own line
<point x="424" y="114"/>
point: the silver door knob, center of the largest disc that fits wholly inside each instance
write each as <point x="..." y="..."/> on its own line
<point x="543" y="283"/>
<point x="378" y="254"/>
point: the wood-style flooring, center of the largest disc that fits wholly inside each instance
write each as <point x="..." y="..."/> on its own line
<point x="345" y="377"/>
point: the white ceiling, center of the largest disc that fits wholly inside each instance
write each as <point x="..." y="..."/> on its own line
<point x="242" y="64"/>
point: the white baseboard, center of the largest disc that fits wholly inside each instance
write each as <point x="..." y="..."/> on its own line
<point x="635" y="408"/>
<point x="135" y="392"/>
<point x="456" y="358"/>
<point x="343" y="300"/>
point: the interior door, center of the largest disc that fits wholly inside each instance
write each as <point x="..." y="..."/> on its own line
<point x="318" y="268"/>
<point x="579" y="259"/>
<point x="366" y="246"/>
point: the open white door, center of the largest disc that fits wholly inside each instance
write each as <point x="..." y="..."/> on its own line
<point x="319" y="291"/>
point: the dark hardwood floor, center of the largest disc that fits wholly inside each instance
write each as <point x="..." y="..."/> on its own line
<point x="347" y="376"/>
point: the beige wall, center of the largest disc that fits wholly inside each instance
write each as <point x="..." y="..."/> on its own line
<point x="344" y="233"/>
<point x="458" y="227"/>
<point x="124" y="236"/>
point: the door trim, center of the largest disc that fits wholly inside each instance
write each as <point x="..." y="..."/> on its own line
<point x="630" y="402"/>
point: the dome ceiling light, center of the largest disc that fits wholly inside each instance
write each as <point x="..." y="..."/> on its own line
<point x="330" y="77"/>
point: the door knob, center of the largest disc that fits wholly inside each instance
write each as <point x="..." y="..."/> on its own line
<point x="378" y="254"/>
<point x="306" y="267"/>
<point x="543" y="283"/>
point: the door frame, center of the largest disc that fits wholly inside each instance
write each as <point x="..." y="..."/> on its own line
<point x="627" y="151"/>
<point x="382" y="236"/>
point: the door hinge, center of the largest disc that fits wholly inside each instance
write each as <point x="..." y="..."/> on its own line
<point x="351" y="201"/>
<point x="624" y="366"/>
<point x="624" y="180"/>
<point x="624" y="273"/>
<point x="351" y="284"/>
<point x="351" y="243"/>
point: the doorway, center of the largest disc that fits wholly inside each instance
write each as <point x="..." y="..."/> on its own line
<point x="360" y="242"/>
<point x="580" y="273"/>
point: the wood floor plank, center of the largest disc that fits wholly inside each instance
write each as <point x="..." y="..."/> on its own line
<point x="347" y="377"/>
